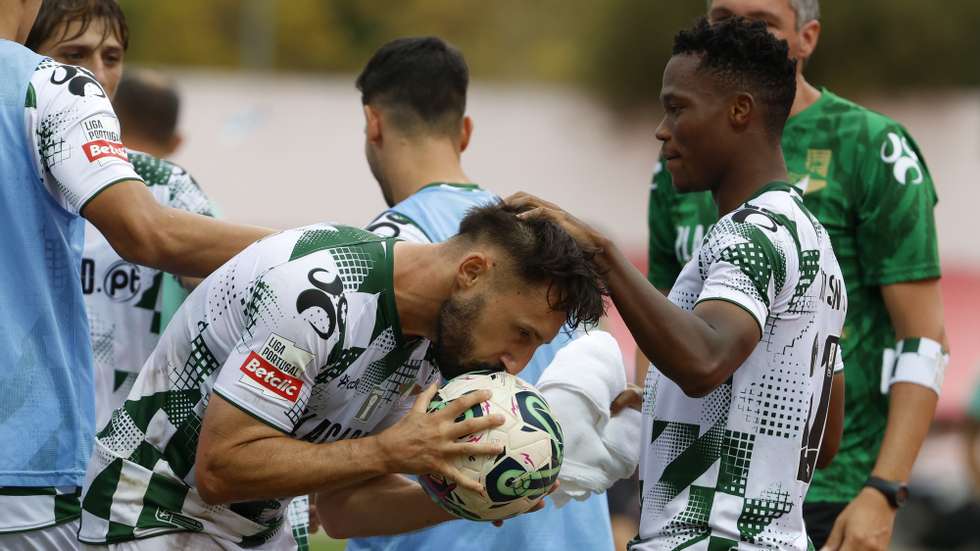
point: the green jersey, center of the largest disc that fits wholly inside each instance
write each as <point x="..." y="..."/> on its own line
<point x="301" y="331"/>
<point x="865" y="180"/>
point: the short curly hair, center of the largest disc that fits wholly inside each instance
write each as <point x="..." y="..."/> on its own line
<point x="543" y="252"/>
<point x="744" y="55"/>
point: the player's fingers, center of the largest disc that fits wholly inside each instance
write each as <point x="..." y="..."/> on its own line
<point x="474" y="449"/>
<point x="630" y="397"/>
<point x="424" y="397"/>
<point x="475" y="425"/>
<point x="522" y="199"/>
<point x="464" y="481"/>
<point x="836" y="537"/>
<point x="456" y="407"/>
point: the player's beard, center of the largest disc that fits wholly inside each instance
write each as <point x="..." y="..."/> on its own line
<point x="454" y="337"/>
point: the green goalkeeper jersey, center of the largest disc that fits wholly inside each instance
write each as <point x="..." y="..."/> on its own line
<point x="866" y="181"/>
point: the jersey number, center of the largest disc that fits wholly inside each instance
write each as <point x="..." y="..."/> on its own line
<point x="813" y="433"/>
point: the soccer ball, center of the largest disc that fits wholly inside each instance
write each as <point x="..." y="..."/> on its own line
<point x="518" y="477"/>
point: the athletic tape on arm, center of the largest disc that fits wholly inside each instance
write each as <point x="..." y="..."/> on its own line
<point x="917" y="360"/>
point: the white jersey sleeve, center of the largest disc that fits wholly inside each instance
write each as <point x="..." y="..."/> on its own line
<point x="75" y="133"/>
<point x="740" y="264"/>
<point x="271" y="372"/>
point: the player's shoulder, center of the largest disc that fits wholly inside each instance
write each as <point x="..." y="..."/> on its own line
<point x="859" y="119"/>
<point x="64" y="84"/>
<point x="442" y="194"/>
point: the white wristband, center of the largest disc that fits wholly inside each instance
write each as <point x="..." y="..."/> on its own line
<point x="917" y="360"/>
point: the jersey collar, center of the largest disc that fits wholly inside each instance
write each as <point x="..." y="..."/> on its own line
<point x="467" y="187"/>
<point x="773" y="186"/>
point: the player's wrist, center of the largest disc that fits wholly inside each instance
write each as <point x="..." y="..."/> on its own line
<point x="381" y="451"/>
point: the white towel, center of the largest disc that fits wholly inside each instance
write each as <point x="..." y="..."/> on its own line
<point x="580" y="384"/>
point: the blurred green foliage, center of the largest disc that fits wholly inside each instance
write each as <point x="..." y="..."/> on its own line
<point x="616" y="48"/>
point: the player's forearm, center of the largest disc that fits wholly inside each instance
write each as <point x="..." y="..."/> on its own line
<point x="387" y="505"/>
<point x="910" y="412"/>
<point x="282" y="466"/>
<point x="682" y="345"/>
<point x="189" y="244"/>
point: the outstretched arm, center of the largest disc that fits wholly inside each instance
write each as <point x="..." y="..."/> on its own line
<point x="240" y="458"/>
<point x="145" y="232"/>
<point x="698" y="350"/>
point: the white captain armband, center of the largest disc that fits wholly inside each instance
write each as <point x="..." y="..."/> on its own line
<point x="917" y="360"/>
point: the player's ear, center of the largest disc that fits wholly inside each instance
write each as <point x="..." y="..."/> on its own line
<point x="465" y="132"/>
<point x="809" y="36"/>
<point x="472" y="269"/>
<point x="740" y="110"/>
<point x="372" y="125"/>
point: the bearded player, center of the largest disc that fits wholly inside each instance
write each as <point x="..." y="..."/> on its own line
<point x="413" y="92"/>
<point x="745" y="346"/>
<point x="290" y="370"/>
<point x="865" y="179"/>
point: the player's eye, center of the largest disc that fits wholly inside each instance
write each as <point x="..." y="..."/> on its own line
<point x="73" y="55"/>
<point x="524" y="333"/>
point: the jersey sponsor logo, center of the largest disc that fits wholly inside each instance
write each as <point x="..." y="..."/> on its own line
<point x="100" y="149"/>
<point x="264" y="376"/>
<point x="275" y="370"/>
<point x="80" y="82"/>
<point x="897" y="152"/>
<point x="122" y="281"/>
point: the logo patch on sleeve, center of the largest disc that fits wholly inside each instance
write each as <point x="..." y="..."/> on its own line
<point x="103" y="142"/>
<point x="275" y="371"/>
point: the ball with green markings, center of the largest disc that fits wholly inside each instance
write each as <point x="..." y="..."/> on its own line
<point x="523" y="473"/>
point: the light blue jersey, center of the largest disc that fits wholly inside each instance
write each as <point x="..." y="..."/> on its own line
<point x="433" y="214"/>
<point x="59" y="147"/>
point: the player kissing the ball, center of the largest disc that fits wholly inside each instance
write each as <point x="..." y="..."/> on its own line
<point x="292" y="370"/>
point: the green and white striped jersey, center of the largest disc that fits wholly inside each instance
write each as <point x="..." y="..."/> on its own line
<point x="730" y="470"/>
<point x="301" y="332"/>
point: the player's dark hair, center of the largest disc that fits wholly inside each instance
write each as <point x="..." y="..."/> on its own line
<point x="543" y="252"/>
<point x="744" y="55"/>
<point x="147" y="105"/>
<point x="418" y="79"/>
<point x="55" y="13"/>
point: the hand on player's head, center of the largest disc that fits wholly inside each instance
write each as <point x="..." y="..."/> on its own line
<point x="426" y="443"/>
<point x="535" y="207"/>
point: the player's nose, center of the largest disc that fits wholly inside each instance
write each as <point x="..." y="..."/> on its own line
<point x="662" y="133"/>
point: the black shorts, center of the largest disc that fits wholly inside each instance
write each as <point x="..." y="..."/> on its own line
<point x="819" y="518"/>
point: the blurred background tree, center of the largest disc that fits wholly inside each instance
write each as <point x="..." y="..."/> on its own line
<point x="614" y="48"/>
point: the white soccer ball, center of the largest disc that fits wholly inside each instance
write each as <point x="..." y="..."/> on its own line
<point x="533" y="448"/>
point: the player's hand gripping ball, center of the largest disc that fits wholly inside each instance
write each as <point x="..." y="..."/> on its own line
<point x="523" y="473"/>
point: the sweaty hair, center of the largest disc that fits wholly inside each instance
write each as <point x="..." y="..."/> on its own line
<point x="743" y="55"/>
<point x="542" y="252"/>
<point x="418" y="80"/>
<point x="147" y="104"/>
<point x="55" y="13"/>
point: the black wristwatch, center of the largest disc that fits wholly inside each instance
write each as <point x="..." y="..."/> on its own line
<point x="895" y="492"/>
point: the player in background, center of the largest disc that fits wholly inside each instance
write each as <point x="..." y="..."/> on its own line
<point x="413" y="92"/>
<point x="62" y="158"/>
<point x="148" y="105"/>
<point x="745" y="346"/>
<point x="865" y="179"/>
<point x="283" y="371"/>
<point x="124" y="301"/>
